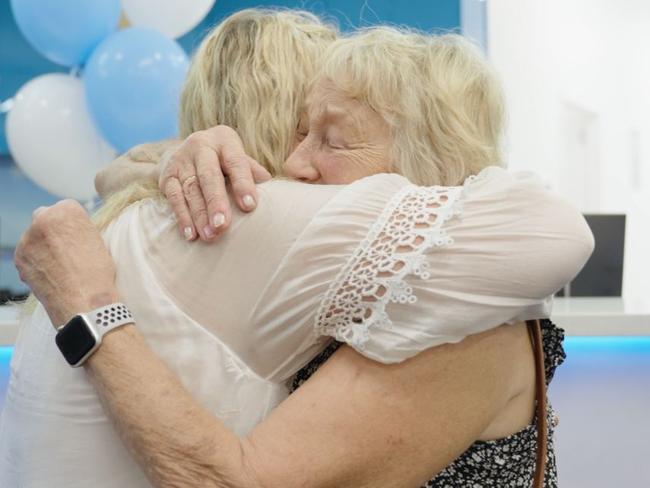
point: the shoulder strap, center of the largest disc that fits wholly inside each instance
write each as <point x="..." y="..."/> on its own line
<point x="535" y="332"/>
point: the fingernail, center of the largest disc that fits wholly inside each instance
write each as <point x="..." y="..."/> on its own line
<point x="208" y="232"/>
<point x="189" y="233"/>
<point x="218" y="220"/>
<point x="248" y="201"/>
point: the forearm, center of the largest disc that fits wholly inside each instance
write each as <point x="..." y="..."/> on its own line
<point x="120" y="173"/>
<point x="355" y="424"/>
<point x="141" y="162"/>
<point x="176" y="441"/>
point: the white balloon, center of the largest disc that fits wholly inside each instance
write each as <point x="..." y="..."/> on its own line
<point x="53" y="139"/>
<point x="171" y="17"/>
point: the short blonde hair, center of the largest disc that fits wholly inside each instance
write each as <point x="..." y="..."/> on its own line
<point x="437" y="93"/>
<point x="251" y="73"/>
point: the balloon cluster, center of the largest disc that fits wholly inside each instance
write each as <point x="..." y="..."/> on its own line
<point x="123" y="88"/>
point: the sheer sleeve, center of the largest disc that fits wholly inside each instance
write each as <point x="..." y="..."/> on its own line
<point x="383" y="265"/>
<point x="441" y="263"/>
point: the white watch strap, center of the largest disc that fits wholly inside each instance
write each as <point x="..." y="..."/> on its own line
<point x="110" y="317"/>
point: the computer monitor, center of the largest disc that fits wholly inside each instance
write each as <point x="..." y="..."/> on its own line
<point x="602" y="276"/>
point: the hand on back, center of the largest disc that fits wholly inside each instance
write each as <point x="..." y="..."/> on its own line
<point x="194" y="176"/>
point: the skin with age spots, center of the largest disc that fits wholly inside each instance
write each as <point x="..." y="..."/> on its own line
<point x="339" y="139"/>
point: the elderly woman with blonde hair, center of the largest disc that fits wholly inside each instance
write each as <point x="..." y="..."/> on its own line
<point x="425" y="289"/>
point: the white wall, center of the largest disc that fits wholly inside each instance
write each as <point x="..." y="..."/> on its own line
<point x="576" y="75"/>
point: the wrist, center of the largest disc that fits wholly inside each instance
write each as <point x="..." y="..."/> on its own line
<point x="115" y="344"/>
<point x="64" y="310"/>
<point x="83" y="335"/>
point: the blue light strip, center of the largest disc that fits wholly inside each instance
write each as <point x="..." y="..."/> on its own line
<point x="5" y="356"/>
<point x="592" y="344"/>
<point x="617" y="344"/>
<point x="5" y="353"/>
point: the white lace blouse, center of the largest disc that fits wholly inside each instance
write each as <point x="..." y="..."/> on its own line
<point x="385" y="266"/>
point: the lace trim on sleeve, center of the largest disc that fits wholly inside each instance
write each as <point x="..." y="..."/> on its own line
<point x="394" y="248"/>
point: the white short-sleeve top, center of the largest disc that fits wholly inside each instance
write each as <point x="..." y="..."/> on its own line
<point x="385" y="266"/>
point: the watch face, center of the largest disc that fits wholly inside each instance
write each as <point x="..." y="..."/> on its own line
<point x="75" y="340"/>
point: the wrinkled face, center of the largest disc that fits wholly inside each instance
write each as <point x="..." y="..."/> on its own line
<point x="339" y="139"/>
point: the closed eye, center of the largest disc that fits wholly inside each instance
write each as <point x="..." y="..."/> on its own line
<point x="334" y="145"/>
<point x="302" y="129"/>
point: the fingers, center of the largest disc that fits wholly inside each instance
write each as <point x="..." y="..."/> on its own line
<point x="193" y="180"/>
<point x="205" y="171"/>
<point x="174" y="193"/>
<point x="260" y="173"/>
<point x="213" y="189"/>
<point x="61" y="210"/>
<point x="179" y="183"/>
<point x="238" y="167"/>
<point x="196" y="166"/>
<point x="196" y="204"/>
<point x="37" y="211"/>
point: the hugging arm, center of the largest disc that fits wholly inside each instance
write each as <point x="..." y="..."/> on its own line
<point x="355" y="423"/>
<point x="191" y="174"/>
<point x="139" y="163"/>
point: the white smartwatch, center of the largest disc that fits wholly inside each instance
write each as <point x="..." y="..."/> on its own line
<point x="82" y="335"/>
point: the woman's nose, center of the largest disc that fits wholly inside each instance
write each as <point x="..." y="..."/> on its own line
<point x="299" y="166"/>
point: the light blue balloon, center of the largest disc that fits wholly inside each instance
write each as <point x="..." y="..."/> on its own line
<point x="133" y="82"/>
<point x="66" y="31"/>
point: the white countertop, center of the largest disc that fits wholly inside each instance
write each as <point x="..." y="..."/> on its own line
<point x="607" y="316"/>
<point x="578" y="316"/>
<point x="8" y="324"/>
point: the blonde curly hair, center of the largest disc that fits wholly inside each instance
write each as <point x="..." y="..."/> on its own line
<point x="251" y="73"/>
<point x="437" y="93"/>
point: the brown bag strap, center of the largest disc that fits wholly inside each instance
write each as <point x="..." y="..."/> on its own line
<point x="535" y="332"/>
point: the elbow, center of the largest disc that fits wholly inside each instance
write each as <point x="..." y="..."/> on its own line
<point x="580" y="248"/>
<point x="241" y="469"/>
<point x="200" y="461"/>
<point x="560" y="244"/>
<point x="569" y="252"/>
<point x="262" y="470"/>
<point x="579" y="244"/>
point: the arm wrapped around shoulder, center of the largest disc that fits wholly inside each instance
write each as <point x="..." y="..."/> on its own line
<point x="441" y="263"/>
